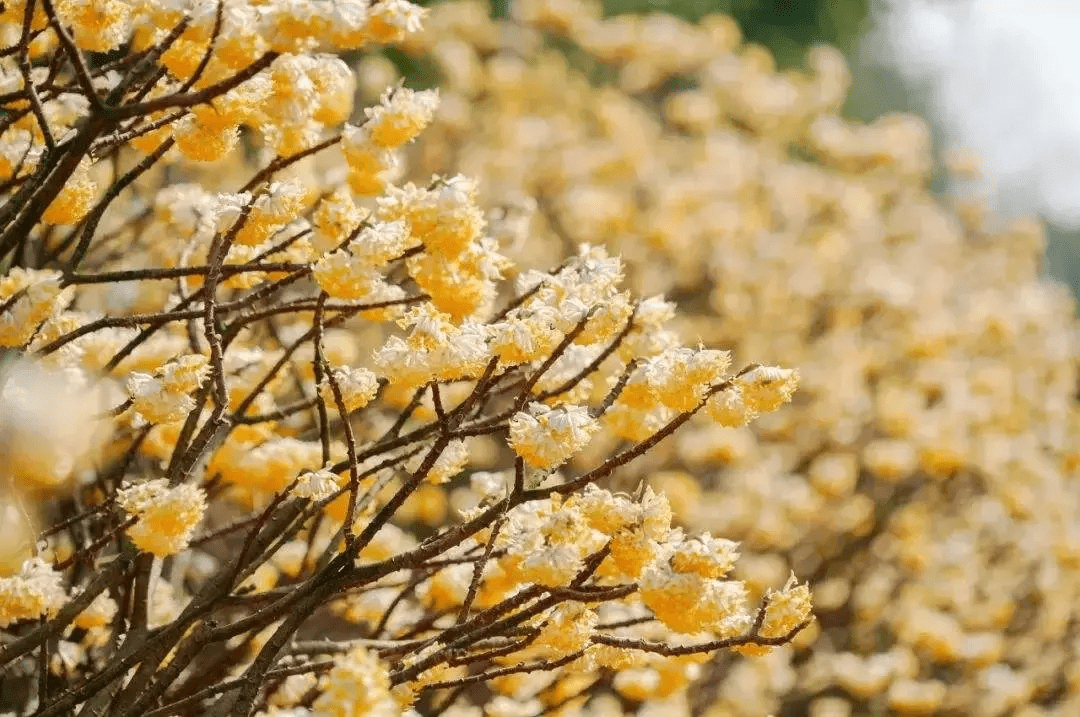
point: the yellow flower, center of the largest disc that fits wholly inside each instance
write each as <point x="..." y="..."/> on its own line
<point x="358" y="684"/>
<point x="74" y="200"/>
<point x="202" y="143"/>
<point x="400" y="116"/>
<point x="166" y="517"/>
<point x="37" y="590"/>
<point x="99" y="613"/>
<point x="546" y="437"/>
<point x="97" y="25"/>
<point x="356" y="385"/>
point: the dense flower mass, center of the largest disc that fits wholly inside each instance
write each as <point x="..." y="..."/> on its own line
<point x="923" y="479"/>
<point x="383" y="409"/>
<point x="289" y="432"/>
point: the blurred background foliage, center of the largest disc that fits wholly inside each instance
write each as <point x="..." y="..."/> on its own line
<point x="788" y="28"/>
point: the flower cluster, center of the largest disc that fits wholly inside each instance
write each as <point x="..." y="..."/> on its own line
<point x="30" y="296"/>
<point x="545" y="437"/>
<point x="35" y="591"/>
<point x="165" y="517"/>
<point x="356" y="386"/>
<point x="165" y="397"/>
<point x="357" y="685"/>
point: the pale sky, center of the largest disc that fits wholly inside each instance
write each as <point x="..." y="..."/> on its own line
<point x="1002" y="77"/>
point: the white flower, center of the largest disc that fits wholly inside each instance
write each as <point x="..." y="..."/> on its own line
<point x="345" y="276"/>
<point x="391" y="20"/>
<point x="654" y="312"/>
<point x="156" y="405"/>
<point x="705" y="555"/>
<point x="381" y="242"/>
<point x="358" y="684"/>
<point x="280" y="200"/>
<point x="316" y="485"/>
<point x="451" y="461"/>
<point x="402" y="363"/>
<point x="358" y="387"/>
<point x="545" y="437"/>
<point x="401" y="113"/>
<point x="766" y="388"/>
<point x="729" y="408"/>
<point x="487" y="484"/>
<point x="37" y="590"/>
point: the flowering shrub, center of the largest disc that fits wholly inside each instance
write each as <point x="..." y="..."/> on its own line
<point x="924" y="478"/>
<point x="285" y="434"/>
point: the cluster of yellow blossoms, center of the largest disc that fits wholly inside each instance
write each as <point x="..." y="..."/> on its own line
<point x="923" y="479"/>
<point x="285" y="433"/>
<point x="165" y="517"/>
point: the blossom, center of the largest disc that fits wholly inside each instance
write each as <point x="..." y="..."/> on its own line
<point x="266" y="464"/>
<point x="678" y="378"/>
<point x="165" y="397"/>
<point x="461" y="288"/>
<point x="444" y="218"/>
<point x="391" y="20"/>
<point x="729" y="408"/>
<point x="73" y="201"/>
<point x="567" y="630"/>
<point x="766" y="388"/>
<point x="98" y="613"/>
<point x="97" y="26"/>
<point x="787" y="608"/>
<point x="316" y="485"/>
<point x="166" y="517"/>
<point x="358" y="683"/>
<point x="656" y="514"/>
<point x="605" y="511"/>
<point x="371" y="166"/>
<point x="347" y="21"/>
<point x="705" y="555"/>
<point x="448" y="587"/>
<point x="202" y="142"/>
<point x="436" y="349"/>
<point x="344" y="276"/>
<point x="546" y="437"/>
<point x="154" y="403"/>
<point x="452" y="460"/>
<point x="402" y="364"/>
<point x="279" y="204"/>
<point x="551" y="565"/>
<point x="37" y="590"/>
<point x="29" y="297"/>
<point x="400" y="116"/>
<point x="335" y="217"/>
<point x="689" y="603"/>
<point x="632" y="550"/>
<point x="488" y="484"/>
<point x="356" y="385"/>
